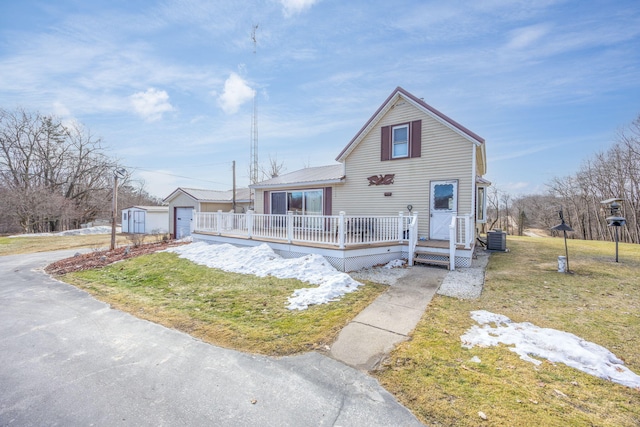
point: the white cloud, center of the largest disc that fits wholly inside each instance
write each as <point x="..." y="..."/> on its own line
<point x="236" y="92"/>
<point x="151" y="104"/>
<point x="524" y="37"/>
<point x="294" y="7"/>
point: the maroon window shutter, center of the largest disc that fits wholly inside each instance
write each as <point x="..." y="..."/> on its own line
<point x="265" y="208"/>
<point x="327" y="200"/>
<point x="416" y="139"/>
<point x="385" y="143"/>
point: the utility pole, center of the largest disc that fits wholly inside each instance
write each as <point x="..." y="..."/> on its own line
<point x="233" y="168"/>
<point x="118" y="173"/>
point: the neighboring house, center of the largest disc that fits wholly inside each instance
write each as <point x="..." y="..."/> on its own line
<point x="184" y="201"/>
<point x="410" y="171"/>
<point x="145" y="219"/>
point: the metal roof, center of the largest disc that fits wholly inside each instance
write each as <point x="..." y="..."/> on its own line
<point x="150" y="208"/>
<point x="318" y="175"/>
<point x="213" y="196"/>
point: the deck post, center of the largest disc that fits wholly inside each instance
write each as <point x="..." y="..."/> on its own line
<point x="249" y="217"/>
<point x="289" y="226"/>
<point x="452" y="242"/>
<point x="400" y="227"/>
<point x="219" y="222"/>
<point x="467" y="232"/>
<point x="341" y="230"/>
<point x="192" y="226"/>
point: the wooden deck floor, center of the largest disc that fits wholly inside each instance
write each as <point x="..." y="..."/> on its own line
<point x="439" y="244"/>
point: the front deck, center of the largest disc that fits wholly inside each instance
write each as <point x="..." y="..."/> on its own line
<point x="347" y="242"/>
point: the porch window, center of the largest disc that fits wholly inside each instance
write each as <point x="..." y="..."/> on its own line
<point x="303" y="202"/>
<point x="279" y="203"/>
<point x="400" y="141"/>
<point x="481" y="205"/>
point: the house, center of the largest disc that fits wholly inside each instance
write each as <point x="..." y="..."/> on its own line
<point x="409" y="183"/>
<point x="184" y="201"/>
<point x="145" y="219"/>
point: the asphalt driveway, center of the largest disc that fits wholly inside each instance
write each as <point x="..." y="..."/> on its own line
<point x="68" y="359"/>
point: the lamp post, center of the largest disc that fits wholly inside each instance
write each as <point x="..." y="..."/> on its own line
<point x="614" y="220"/>
<point x="117" y="173"/>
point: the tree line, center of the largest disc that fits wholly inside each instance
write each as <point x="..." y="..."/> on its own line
<point x="55" y="176"/>
<point x="611" y="173"/>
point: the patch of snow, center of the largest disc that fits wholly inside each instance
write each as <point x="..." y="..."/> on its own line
<point x="99" y="229"/>
<point x="262" y="261"/>
<point x="556" y="346"/>
<point x="395" y="263"/>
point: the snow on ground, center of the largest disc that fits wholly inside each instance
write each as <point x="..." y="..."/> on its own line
<point x="556" y="346"/>
<point x="99" y="229"/>
<point x="262" y="261"/>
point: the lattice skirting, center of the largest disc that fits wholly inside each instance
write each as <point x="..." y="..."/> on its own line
<point x="348" y="260"/>
<point x="353" y="263"/>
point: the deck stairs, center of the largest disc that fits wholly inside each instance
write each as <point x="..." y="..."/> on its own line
<point x="433" y="252"/>
<point x="426" y="256"/>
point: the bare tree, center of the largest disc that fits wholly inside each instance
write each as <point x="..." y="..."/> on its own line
<point x="273" y="169"/>
<point x="54" y="176"/>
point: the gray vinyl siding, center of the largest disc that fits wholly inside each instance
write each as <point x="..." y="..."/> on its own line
<point x="445" y="156"/>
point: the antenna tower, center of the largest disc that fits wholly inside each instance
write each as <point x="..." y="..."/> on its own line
<point x="253" y="151"/>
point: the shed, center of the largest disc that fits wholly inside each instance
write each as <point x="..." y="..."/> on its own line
<point x="145" y="220"/>
<point x="184" y="201"/>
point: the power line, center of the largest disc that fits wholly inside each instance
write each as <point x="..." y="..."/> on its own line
<point x="174" y="175"/>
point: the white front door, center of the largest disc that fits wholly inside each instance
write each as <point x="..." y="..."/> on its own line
<point x="443" y="204"/>
<point x="183" y="222"/>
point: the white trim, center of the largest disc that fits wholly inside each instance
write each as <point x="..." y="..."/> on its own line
<point x="444" y="122"/>
<point x="473" y="183"/>
<point x="393" y="143"/>
<point x="293" y="185"/>
<point x="371" y="125"/>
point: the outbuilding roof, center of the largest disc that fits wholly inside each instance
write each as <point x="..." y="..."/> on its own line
<point x="150" y="208"/>
<point x="212" y="196"/>
<point x="317" y="175"/>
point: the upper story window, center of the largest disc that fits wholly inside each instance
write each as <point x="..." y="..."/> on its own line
<point x="400" y="141"/>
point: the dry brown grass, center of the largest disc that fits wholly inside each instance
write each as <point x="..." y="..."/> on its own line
<point x="433" y="375"/>
<point x="25" y="245"/>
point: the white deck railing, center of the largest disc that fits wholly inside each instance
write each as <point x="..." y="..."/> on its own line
<point x="335" y="230"/>
<point x="339" y="231"/>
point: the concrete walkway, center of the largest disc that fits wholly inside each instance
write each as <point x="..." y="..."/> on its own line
<point x="389" y="320"/>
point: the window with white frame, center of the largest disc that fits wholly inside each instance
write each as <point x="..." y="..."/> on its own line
<point x="481" y="205"/>
<point x="400" y="141"/>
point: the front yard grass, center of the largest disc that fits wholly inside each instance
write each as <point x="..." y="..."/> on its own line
<point x="239" y="311"/>
<point x="600" y="302"/>
<point x="27" y="244"/>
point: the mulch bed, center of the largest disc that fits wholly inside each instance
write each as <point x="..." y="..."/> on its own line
<point x="99" y="259"/>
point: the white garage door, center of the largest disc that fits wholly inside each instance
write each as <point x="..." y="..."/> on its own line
<point x="183" y="222"/>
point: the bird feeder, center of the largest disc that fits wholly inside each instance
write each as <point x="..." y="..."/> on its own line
<point x="612" y="207"/>
<point x="564" y="228"/>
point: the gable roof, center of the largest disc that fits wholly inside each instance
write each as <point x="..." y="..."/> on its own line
<point x="149" y="208"/>
<point x="420" y="104"/>
<point x="212" y="196"/>
<point x="318" y="175"/>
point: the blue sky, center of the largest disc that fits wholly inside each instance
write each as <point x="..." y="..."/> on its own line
<point x="168" y="85"/>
